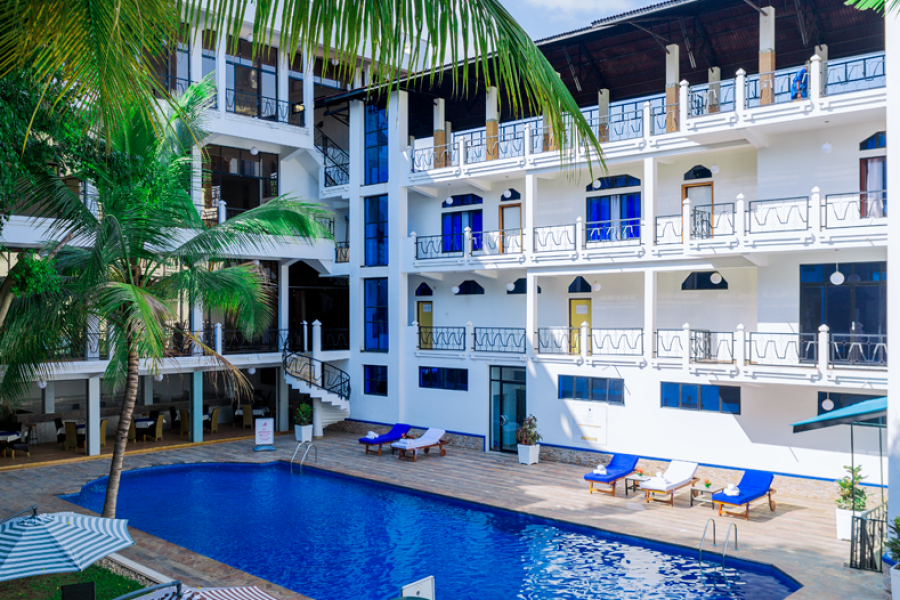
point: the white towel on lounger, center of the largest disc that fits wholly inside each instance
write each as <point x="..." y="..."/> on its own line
<point x="371" y="435"/>
<point x="600" y="470"/>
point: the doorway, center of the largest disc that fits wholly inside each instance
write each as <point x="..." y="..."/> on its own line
<point x="579" y="312"/>
<point x="424" y="316"/>
<point x="702" y="212"/>
<point x="511" y="228"/>
<point x="507" y="406"/>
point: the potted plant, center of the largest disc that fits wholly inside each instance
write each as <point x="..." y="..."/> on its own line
<point x="528" y="437"/>
<point x="303" y="429"/>
<point x="707" y="483"/>
<point x="892" y="547"/>
<point x="851" y="501"/>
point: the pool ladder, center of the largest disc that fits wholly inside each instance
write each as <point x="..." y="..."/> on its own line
<point x="309" y="446"/>
<point x="724" y="547"/>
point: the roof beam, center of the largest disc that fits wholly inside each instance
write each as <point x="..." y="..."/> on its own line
<point x="659" y="39"/>
<point x="592" y="66"/>
<point x="755" y="7"/>
<point x="807" y="22"/>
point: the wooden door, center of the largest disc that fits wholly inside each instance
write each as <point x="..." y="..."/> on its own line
<point x="579" y="312"/>
<point x="424" y="317"/>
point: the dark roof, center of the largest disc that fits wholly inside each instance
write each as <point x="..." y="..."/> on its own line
<point x="625" y="53"/>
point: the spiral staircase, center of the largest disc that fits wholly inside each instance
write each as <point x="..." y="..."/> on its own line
<point x="323" y="382"/>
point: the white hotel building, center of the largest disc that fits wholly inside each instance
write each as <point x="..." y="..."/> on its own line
<point x="723" y="278"/>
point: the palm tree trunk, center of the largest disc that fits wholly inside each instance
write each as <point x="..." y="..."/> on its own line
<point x="115" y="468"/>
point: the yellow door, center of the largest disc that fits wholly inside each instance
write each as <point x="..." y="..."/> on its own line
<point x="423" y="316"/>
<point x="579" y="312"/>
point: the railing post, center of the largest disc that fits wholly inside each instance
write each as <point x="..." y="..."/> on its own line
<point x="579" y="234"/>
<point x="740" y="337"/>
<point x="647" y="121"/>
<point x="316" y="338"/>
<point x="682" y="106"/>
<point x="740" y="91"/>
<point x="585" y="339"/>
<point x="686" y="229"/>
<point x="686" y="346"/>
<point x="303" y="328"/>
<point x="462" y="151"/>
<point x="529" y="139"/>
<point x="815" y="77"/>
<point x="218" y="340"/>
<point x="222" y="213"/>
<point x="823" y="343"/>
<point x="418" y="333"/>
<point x="467" y="243"/>
<point x="470" y="335"/>
<point x="415" y="245"/>
<point x="815" y="211"/>
<point x="740" y="217"/>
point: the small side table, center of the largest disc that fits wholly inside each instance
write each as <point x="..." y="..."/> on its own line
<point x="633" y="481"/>
<point x="699" y="491"/>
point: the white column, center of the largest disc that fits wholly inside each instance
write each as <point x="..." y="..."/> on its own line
<point x="281" y="402"/>
<point x="196" y="404"/>
<point x="686" y="346"/>
<point x="579" y="234"/>
<point x="648" y="197"/>
<point x="284" y="297"/>
<point x="714" y="98"/>
<point x="316" y="338"/>
<point x="196" y="54"/>
<point x="647" y="121"/>
<point x="531" y="189"/>
<point x="649" y="314"/>
<point x="282" y="75"/>
<point x="686" y="225"/>
<point x="585" y="339"/>
<point x="196" y="322"/>
<point x="309" y="97"/>
<point x="739" y="345"/>
<point x="821" y="51"/>
<point x="815" y="211"/>
<point x="673" y="88"/>
<point x="684" y="88"/>
<point x="48" y="398"/>
<point x="815" y="77"/>
<point x="467" y="243"/>
<point x="531" y="316"/>
<point x="740" y="91"/>
<point x="740" y="217"/>
<point x="892" y="40"/>
<point x="92" y="427"/>
<point x="148" y="389"/>
<point x="221" y="79"/>
<point x="219" y="338"/>
<point x="602" y="124"/>
<point x="318" y="430"/>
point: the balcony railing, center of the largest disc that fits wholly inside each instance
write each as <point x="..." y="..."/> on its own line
<point x="774" y="87"/>
<point x="664" y="118"/>
<point x="559" y="340"/>
<point x="504" y="241"/>
<point x="442" y="338"/>
<point x="856" y="209"/>
<point x="625" y="125"/>
<point x="429" y="247"/>
<point x="554" y="238"/>
<point x="711" y="220"/>
<point x="235" y="342"/>
<point x="668" y="230"/>
<point x="854" y="74"/>
<point x="342" y="252"/>
<point x="261" y="107"/>
<point x="617" y="342"/>
<point x="173" y="86"/>
<point x="782" y="214"/>
<point x="782" y="349"/>
<point x="668" y="343"/>
<point x="711" y="98"/>
<point x="510" y="340"/>
<point x="712" y="346"/>
<point x="614" y="231"/>
<point x="858" y="350"/>
<point x="335" y="339"/>
<point x="437" y="157"/>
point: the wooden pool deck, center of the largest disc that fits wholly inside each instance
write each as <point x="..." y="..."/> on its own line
<point x="798" y="538"/>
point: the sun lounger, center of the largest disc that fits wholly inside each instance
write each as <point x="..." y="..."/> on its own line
<point x="397" y="432"/>
<point x="679" y="474"/>
<point x="753" y="486"/>
<point x="429" y="439"/>
<point x="621" y="466"/>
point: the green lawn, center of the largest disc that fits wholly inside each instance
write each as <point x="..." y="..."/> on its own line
<point x="46" y="587"/>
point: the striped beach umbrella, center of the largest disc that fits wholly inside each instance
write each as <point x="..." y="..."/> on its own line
<point x="40" y="544"/>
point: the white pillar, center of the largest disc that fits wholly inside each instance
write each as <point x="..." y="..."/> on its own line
<point x="284" y="297"/>
<point x="673" y="87"/>
<point x="585" y="339"/>
<point x="309" y="95"/>
<point x="196" y="404"/>
<point x="316" y="338"/>
<point x="48" y="398"/>
<point x="686" y="225"/>
<point x="739" y="345"/>
<point x="767" y="55"/>
<point x="531" y="189"/>
<point x="304" y="327"/>
<point x="531" y="316"/>
<point x="683" y="103"/>
<point x="815" y="211"/>
<point x="686" y="346"/>
<point x="823" y="348"/>
<point x="740" y="217"/>
<point x="467" y="243"/>
<point x="196" y="54"/>
<point x="284" y="65"/>
<point x="815" y="77"/>
<point x="92" y="427"/>
<point x="649" y="314"/>
<point x="602" y="124"/>
<point x="821" y="51"/>
<point x="219" y="338"/>
<point x="646" y="121"/>
<point x="148" y="389"/>
<point x="714" y="95"/>
<point x="196" y="324"/>
<point x="579" y="234"/>
<point x="648" y="197"/>
<point x="221" y="79"/>
<point x="740" y="91"/>
<point x="318" y="430"/>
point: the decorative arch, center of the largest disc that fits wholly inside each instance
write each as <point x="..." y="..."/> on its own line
<point x="579" y="286"/>
<point x="874" y="141"/>
<point x="470" y="287"/>
<point x="424" y="290"/>
<point x="698" y="172"/>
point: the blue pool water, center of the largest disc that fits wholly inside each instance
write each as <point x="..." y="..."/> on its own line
<point x="334" y="537"/>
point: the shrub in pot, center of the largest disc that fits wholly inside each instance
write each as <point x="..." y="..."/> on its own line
<point x="303" y="429"/>
<point x="892" y="546"/>
<point x="851" y="500"/>
<point x="528" y="437"/>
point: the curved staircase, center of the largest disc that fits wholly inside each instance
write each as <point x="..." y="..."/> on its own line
<point x="322" y="381"/>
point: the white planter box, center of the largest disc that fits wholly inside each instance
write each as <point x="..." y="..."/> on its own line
<point x="844" y="523"/>
<point x="528" y="455"/>
<point x="303" y="433"/>
<point x="895" y="583"/>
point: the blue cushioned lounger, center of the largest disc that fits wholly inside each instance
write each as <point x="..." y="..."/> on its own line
<point x="396" y="433"/>
<point x="753" y="486"/>
<point x="621" y="465"/>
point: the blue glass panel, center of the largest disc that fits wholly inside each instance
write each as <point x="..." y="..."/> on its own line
<point x="599" y="387"/>
<point x="582" y="388"/>
<point x="566" y="387"/>
<point x="731" y="400"/>
<point x="709" y="398"/>
<point x="670" y="394"/>
<point x="616" y="394"/>
<point x="690" y="396"/>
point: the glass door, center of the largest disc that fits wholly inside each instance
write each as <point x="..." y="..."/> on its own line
<point x="507" y="406"/>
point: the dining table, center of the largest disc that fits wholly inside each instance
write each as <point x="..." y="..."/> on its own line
<point x="9" y="436"/>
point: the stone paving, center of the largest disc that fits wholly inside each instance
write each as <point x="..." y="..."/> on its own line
<point x="799" y="537"/>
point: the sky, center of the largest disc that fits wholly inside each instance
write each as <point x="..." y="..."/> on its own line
<point x="543" y="18"/>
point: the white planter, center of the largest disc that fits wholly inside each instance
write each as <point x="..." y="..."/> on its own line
<point x="844" y="523"/>
<point x="528" y="455"/>
<point x="895" y="583"/>
<point x="303" y="433"/>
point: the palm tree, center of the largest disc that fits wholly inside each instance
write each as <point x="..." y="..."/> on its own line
<point x="138" y="253"/>
<point x="103" y="49"/>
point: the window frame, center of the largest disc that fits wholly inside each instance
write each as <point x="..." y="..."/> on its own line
<point x="373" y="390"/>
<point x="382" y="325"/>
<point x="583" y="389"/>
<point x="380" y="238"/>
<point x="698" y="404"/>
<point x="380" y="145"/>
<point x="438" y="379"/>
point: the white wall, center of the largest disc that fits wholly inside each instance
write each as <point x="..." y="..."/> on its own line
<point x="737" y="175"/>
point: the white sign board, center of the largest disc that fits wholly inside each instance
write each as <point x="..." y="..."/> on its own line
<point x="265" y="431"/>
<point x="590" y="422"/>
<point x="581" y="309"/>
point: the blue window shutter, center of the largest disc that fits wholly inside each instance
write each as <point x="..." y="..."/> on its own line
<point x="475" y="220"/>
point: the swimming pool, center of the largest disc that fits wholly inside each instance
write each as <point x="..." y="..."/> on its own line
<point x="333" y="537"/>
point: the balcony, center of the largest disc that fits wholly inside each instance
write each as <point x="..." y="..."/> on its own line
<point x="267" y="109"/>
<point x="595" y="342"/>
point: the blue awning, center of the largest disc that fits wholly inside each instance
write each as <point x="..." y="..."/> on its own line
<point x="862" y="411"/>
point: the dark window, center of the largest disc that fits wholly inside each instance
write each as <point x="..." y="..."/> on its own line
<point x="376" y="142"/>
<point x="441" y="378"/>
<point x="596" y="389"/>
<point x="295" y="90"/>
<point x="698" y="172"/>
<point x="376" y="314"/>
<point x="510" y="194"/>
<point x="710" y="398"/>
<point x="252" y="79"/>
<point x="613" y="218"/>
<point x="242" y="179"/>
<point x="855" y="301"/>
<point x="462" y="200"/>
<point x="579" y="286"/>
<point x="376" y="231"/>
<point x="453" y="226"/>
<point x="376" y="383"/>
<point x="469" y="288"/>
<point x="703" y="281"/>
<point x="610" y="183"/>
<point x="208" y="61"/>
<point x="521" y="287"/>
<point x="423" y="290"/>
<point x="875" y="141"/>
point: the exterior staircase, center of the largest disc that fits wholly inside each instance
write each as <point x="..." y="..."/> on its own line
<point x="336" y="159"/>
<point x="328" y="386"/>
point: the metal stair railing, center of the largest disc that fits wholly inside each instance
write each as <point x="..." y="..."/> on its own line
<point x="724" y="547"/>
<point x="317" y="373"/>
<point x="337" y="160"/>
<point x="309" y="446"/>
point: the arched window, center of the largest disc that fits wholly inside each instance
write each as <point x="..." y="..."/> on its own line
<point x="709" y="280"/>
<point x="579" y="286"/>
<point x="510" y="194"/>
<point x="424" y="290"/>
<point x="874" y="141"/>
<point x="698" y="172"/>
<point x="470" y="287"/>
<point x="521" y="287"/>
<point x="609" y="183"/>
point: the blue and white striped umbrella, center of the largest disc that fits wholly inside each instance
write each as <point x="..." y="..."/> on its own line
<point x="57" y="543"/>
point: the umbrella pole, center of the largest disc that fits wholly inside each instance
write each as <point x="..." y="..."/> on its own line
<point x="881" y="465"/>
<point x="852" y="477"/>
<point x="32" y="510"/>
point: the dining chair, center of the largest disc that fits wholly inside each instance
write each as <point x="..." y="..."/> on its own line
<point x="71" y="435"/>
<point x="248" y="415"/>
<point x="185" y="422"/>
<point x="214" y="421"/>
